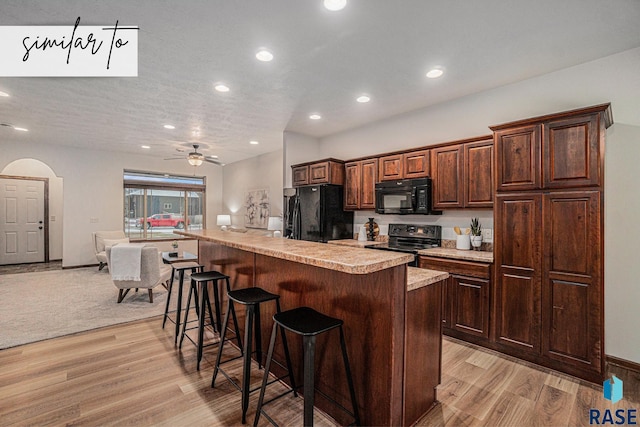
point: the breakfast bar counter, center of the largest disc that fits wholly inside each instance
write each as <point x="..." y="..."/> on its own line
<point x="393" y="333"/>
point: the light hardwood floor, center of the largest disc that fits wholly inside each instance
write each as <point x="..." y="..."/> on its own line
<point x="131" y="374"/>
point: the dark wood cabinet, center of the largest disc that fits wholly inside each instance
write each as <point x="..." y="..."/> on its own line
<point x="463" y="174"/>
<point x="518" y="158"/>
<point x="328" y="171"/>
<point x="417" y="164"/>
<point x="360" y="180"/>
<point x="478" y="174"/>
<point x="409" y="165"/>
<point x="518" y="257"/>
<point x="300" y="175"/>
<point x="447" y="169"/>
<point x="548" y="241"/>
<point x="561" y="150"/>
<point x="572" y="291"/>
<point x="465" y="309"/>
<point x="571" y="152"/>
<point x="391" y="167"/>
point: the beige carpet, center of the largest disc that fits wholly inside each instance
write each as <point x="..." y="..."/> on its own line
<point x="38" y="306"/>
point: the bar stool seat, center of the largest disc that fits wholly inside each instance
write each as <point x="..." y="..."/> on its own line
<point x="309" y="323"/>
<point x="178" y="268"/>
<point x="251" y="298"/>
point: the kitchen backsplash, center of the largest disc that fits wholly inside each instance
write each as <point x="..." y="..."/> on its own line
<point x="447" y="221"/>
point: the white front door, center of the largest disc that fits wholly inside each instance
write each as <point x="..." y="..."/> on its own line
<point x="21" y="221"/>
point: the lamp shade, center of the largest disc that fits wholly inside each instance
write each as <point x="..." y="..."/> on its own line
<point x="275" y="223"/>
<point x="223" y="221"/>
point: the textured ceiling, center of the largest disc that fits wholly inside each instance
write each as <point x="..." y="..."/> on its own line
<point x="323" y="61"/>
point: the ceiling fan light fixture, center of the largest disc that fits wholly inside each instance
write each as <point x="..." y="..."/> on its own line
<point x="195" y="159"/>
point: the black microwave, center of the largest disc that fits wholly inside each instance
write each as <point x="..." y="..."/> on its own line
<point x="407" y="196"/>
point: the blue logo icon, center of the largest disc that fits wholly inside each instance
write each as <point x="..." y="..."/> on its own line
<point x="612" y="389"/>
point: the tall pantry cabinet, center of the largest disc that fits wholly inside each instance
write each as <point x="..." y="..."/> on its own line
<point x="548" y="245"/>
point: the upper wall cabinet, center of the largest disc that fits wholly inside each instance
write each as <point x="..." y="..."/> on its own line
<point x="414" y="164"/>
<point x="463" y="174"/>
<point x="328" y="171"/>
<point x="359" y="187"/>
<point x="556" y="151"/>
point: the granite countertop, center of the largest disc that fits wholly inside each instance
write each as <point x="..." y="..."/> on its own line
<point x="479" y="256"/>
<point x="356" y="243"/>
<point x="420" y="277"/>
<point x="334" y="257"/>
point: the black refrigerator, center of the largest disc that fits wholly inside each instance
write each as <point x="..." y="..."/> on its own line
<point x="316" y="213"/>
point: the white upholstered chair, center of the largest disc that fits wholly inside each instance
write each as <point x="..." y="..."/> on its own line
<point x="99" y="238"/>
<point x="152" y="273"/>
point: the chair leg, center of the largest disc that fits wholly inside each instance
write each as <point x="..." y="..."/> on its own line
<point x="309" y="386"/>
<point x="265" y="377"/>
<point x="347" y="368"/>
<point x="223" y="332"/>
<point x="169" y="289"/>
<point x="122" y="294"/>
<point x="151" y="295"/>
<point x="246" y="363"/>
<point x="101" y="266"/>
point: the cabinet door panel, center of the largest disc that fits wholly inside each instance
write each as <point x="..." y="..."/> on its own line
<point x="448" y="177"/>
<point x="571" y="152"/>
<point x="572" y="287"/>
<point x="300" y="175"/>
<point x="416" y="164"/>
<point x="352" y="185"/>
<point x="518" y="158"/>
<point x="470" y="305"/>
<point x="368" y="184"/>
<point x="478" y="181"/>
<point x="391" y="167"/>
<point x="519" y="264"/>
<point x="319" y="173"/>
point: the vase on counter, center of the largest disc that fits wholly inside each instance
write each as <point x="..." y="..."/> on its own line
<point x="476" y="242"/>
<point x="372" y="230"/>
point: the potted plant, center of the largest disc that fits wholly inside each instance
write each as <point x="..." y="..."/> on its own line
<point x="476" y="234"/>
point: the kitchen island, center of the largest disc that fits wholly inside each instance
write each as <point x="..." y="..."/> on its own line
<point x="391" y="314"/>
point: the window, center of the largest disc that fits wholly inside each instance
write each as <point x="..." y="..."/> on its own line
<point x="156" y="204"/>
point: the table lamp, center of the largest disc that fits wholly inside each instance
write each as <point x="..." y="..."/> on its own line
<point x="275" y="225"/>
<point x="223" y="221"/>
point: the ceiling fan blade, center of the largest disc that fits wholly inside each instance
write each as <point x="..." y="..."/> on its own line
<point x="175" y="158"/>
<point x="215" y="162"/>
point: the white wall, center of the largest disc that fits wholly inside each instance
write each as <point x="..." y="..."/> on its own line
<point x="256" y="173"/>
<point x="93" y="188"/>
<point x="621" y="242"/>
<point x="35" y="168"/>
<point x="297" y="148"/>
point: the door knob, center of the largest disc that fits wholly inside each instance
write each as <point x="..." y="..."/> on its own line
<point x="40" y="227"/>
<point x="39" y="222"/>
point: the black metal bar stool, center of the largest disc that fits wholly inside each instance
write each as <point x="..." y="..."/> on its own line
<point x="199" y="283"/>
<point x="180" y="268"/>
<point x="251" y="298"/>
<point x="309" y="323"/>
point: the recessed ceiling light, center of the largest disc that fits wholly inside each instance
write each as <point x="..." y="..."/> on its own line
<point x="264" y="55"/>
<point x="363" y="98"/>
<point x="3" y="93"/>
<point x="435" y="73"/>
<point x="315" y="117"/>
<point x="334" y="5"/>
<point x="254" y="142"/>
<point x="21" y="129"/>
<point x="146" y="147"/>
<point x="169" y="127"/>
<point x="221" y="87"/>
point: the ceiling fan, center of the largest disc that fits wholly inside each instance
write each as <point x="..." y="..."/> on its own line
<point x="196" y="159"/>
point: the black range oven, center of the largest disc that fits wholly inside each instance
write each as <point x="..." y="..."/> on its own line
<point x="410" y="239"/>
